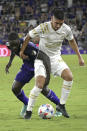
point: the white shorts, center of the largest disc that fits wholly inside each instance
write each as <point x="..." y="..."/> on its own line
<point x="57" y="66"/>
<point x="39" y="68"/>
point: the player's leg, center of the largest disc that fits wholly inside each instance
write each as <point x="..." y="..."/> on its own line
<point x="22" y="77"/>
<point x="19" y="93"/>
<point x="40" y="76"/>
<point x="65" y="73"/>
<point x="28" y="76"/>
<point x="48" y="93"/>
<point x="66" y="88"/>
<point x="40" y="80"/>
<point x="67" y="85"/>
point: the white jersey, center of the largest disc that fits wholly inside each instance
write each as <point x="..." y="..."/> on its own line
<point x="51" y="40"/>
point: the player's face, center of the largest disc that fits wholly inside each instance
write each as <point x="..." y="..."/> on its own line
<point x="56" y="23"/>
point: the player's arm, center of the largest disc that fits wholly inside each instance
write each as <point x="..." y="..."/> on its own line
<point x="36" y="32"/>
<point x="25" y="43"/>
<point x="74" y="46"/>
<point x="9" y="63"/>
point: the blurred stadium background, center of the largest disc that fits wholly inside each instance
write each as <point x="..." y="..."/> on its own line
<point x="23" y="15"/>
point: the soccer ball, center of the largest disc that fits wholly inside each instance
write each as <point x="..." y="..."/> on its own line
<point x="46" y="111"/>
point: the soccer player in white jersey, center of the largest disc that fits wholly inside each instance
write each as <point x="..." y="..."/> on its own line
<point x="51" y="35"/>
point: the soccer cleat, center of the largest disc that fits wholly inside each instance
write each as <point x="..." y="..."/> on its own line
<point x="23" y="110"/>
<point x="27" y="114"/>
<point x="62" y="109"/>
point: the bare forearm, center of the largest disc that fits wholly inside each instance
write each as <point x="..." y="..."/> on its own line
<point x="27" y="39"/>
<point x="11" y="58"/>
<point x="9" y="63"/>
<point x="22" y="55"/>
<point x="74" y="46"/>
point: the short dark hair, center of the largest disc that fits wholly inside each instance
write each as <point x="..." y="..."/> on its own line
<point x="13" y="39"/>
<point x="13" y="36"/>
<point x="58" y="13"/>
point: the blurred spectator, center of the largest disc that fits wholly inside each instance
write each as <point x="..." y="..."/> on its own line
<point x="43" y="18"/>
<point x="22" y="11"/>
<point x="50" y="2"/>
<point x="44" y="7"/>
<point x="79" y="14"/>
<point x="75" y="31"/>
<point x="17" y="13"/>
<point x="69" y="3"/>
<point x="32" y="22"/>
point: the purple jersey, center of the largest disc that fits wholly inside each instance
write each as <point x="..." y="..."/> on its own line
<point x="31" y="51"/>
<point x="25" y="74"/>
<point x="27" y="70"/>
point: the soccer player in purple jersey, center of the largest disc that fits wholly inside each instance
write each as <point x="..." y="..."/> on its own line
<point x="27" y="71"/>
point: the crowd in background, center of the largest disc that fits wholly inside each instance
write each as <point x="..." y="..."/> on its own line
<point x="23" y="15"/>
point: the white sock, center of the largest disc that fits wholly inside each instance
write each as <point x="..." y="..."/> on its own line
<point x="32" y="97"/>
<point x="67" y="85"/>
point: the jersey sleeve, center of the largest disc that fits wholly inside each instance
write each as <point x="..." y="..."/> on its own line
<point x="39" y="30"/>
<point x="35" y="32"/>
<point x="69" y="34"/>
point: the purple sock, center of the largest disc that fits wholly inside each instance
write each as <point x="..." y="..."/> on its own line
<point x="21" y="96"/>
<point x="52" y="97"/>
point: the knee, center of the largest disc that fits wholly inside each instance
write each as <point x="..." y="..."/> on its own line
<point x="40" y="81"/>
<point x="70" y="77"/>
<point x="67" y="75"/>
<point x="40" y="85"/>
<point x="16" y="87"/>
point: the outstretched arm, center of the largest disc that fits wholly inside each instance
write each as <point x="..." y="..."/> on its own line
<point x="75" y="48"/>
<point x="9" y="63"/>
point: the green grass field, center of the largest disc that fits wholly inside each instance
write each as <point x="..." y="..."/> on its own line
<point x="10" y="107"/>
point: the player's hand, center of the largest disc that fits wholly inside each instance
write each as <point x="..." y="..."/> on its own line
<point x="7" y="68"/>
<point x="81" y="61"/>
<point x="22" y="55"/>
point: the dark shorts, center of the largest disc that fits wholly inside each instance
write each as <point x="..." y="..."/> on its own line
<point x="25" y="74"/>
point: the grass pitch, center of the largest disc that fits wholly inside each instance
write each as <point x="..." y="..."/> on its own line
<point x="10" y="107"/>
